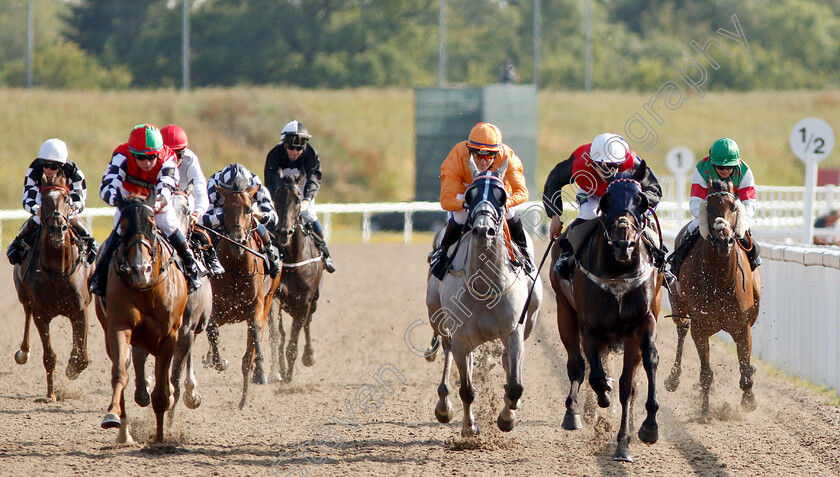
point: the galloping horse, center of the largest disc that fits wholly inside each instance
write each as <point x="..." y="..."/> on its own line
<point x="244" y="291"/>
<point x="143" y="306"/>
<point x="612" y="300"/>
<point x="300" y="284"/>
<point x="480" y="300"/>
<point x="196" y="316"/>
<point x="717" y="291"/>
<point x="53" y="281"/>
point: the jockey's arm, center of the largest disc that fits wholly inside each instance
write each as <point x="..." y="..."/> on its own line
<point x="452" y="181"/>
<point x="650" y="184"/>
<point x="559" y="177"/>
<point x="515" y="176"/>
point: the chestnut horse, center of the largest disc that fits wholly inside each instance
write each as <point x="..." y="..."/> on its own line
<point x="612" y="301"/>
<point x="301" y="282"/>
<point x="244" y="291"/>
<point x="196" y="316"/>
<point x="52" y="281"/>
<point x="143" y="306"/>
<point x="718" y="291"/>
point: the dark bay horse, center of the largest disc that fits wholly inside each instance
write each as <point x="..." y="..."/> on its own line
<point x="718" y="291"/>
<point x="244" y="291"/>
<point x="143" y="306"/>
<point x="612" y="301"/>
<point x="481" y="300"/>
<point x="196" y="316"/>
<point x="301" y="280"/>
<point x="52" y="281"/>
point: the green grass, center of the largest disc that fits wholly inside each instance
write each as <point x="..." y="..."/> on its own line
<point x="366" y="137"/>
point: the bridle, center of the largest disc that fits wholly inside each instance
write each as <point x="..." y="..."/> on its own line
<point x="63" y="219"/>
<point x="486" y="186"/>
<point x="142" y="239"/>
<point x="250" y="214"/>
<point x="295" y="189"/>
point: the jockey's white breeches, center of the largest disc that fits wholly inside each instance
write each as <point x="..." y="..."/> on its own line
<point x="166" y="220"/>
<point x="308" y="215"/>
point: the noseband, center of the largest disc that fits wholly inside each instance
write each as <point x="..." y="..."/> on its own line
<point x="250" y="214"/>
<point x="144" y="240"/>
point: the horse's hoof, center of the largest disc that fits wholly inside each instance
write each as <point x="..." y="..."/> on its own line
<point x="21" y="357"/>
<point x="259" y="378"/>
<point x="242" y="403"/>
<point x="572" y="422"/>
<point x="192" y="402"/>
<point x="71" y="372"/>
<point x="141" y="397"/>
<point x="443" y="416"/>
<point x="308" y="358"/>
<point x="748" y="403"/>
<point x="430" y="357"/>
<point x="471" y="431"/>
<point x="111" y="421"/>
<point x="604" y="399"/>
<point x="222" y="365"/>
<point x="506" y="420"/>
<point x="623" y="454"/>
<point x="275" y="378"/>
<point x="672" y="383"/>
<point x="649" y="435"/>
<point x="47" y="399"/>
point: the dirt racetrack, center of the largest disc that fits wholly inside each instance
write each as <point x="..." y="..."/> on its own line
<point x="386" y="426"/>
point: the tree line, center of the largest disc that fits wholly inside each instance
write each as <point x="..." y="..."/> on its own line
<point x="635" y="44"/>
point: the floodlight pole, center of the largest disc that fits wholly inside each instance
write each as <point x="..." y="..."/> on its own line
<point x="442" y="44"/>
<point x="186" y="47"/>
<point x="30" y="40"/>
<point x="537" y="15"/>
<point x="587" y="75"/>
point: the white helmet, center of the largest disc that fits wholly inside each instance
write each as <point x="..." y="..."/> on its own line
<point x="53" y="150"/>
<point x="609" y="148"/>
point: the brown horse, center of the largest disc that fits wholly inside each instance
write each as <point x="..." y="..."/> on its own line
<point x="718" y="291"/>
<point x="143" y="306"/>
<point x="52" y="281"/>
<point x="244" y="291"/>
<point x="612" y="301"/>
<point x="301" y="282"/>
<point x="196" y="316"/>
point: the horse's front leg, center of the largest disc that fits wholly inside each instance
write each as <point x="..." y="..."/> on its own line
<point x="273" y="322"/>
<point x="78" y="357"/>
<point x="248" y="358"/>
<point x="513" y="355"/>
<point x="162" y="394"/>
<point x="464" y="361"/>
<point x="22" y="355"/>
<point x="706" y="374"/>
<point x="43" y="325"/>
<point x="117" y="341"/>
<point x="292" y="347"/>
<point x="575" y="365"/>
<point x="743" y="341"/>
<point x="597" y="376"/>
<point x="649" y="430"/>
<point x="213" y="358"/>
<point x="627" y="394"/>
<point x="308" y="357"/>
<point x="443" y="409"/>
<point x="141" y="391"/>
<point x="673" y="380"/>
<point x="259" y="376"/>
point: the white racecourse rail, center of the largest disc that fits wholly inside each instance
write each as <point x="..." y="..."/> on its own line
<point x="798" y="329"/>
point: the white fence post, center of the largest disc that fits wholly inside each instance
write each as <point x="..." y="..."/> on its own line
<point x="409" y="226"/>
<point x="366" y="227"/>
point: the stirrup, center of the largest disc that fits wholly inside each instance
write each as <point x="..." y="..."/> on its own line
<point x="439" y="263"/>
<point x="563" y="267"/>
<point x="328" y="265"/>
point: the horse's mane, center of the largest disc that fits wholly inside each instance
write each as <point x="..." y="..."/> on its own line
<point x="57" y="180"/>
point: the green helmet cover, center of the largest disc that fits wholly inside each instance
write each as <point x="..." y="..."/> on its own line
<point x="724" y="152"/>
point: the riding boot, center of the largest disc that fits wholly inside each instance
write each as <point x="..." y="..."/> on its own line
<point x="191" y="270"/>
<point x="208" y="252"/>
<point x="91" y="249"/>
<point x="681" y="252"/>
<point x="271" y="253"/>
<point x="440" y="256"/>
<point x="517" y="234"/>
<point x="754" y="253"/>
<point x="98" y="282"/>
<point x="22" y="242"/>
<point x="563" y="267"/>
<point x="322" y="245"/>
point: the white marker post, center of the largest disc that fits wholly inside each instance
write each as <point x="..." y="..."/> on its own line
<point x="680" y="160"/>
<point x="812" y="140"/>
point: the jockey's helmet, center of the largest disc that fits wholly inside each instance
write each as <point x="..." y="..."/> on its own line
<point x="174" y="137"/>
<point x="295" y="134"/>
<point x="54" y="150"/>
<point x="724" y="152"/>
<point x="609" y="148"/>
<point x="145" y="139"/>
<point x="485" y="138"/>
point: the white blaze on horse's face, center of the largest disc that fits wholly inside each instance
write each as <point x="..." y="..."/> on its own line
<point x="623" y="238"/>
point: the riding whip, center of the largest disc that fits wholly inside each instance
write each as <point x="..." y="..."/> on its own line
<point x="536" y="277"/>
<point x="225" y="237"/>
